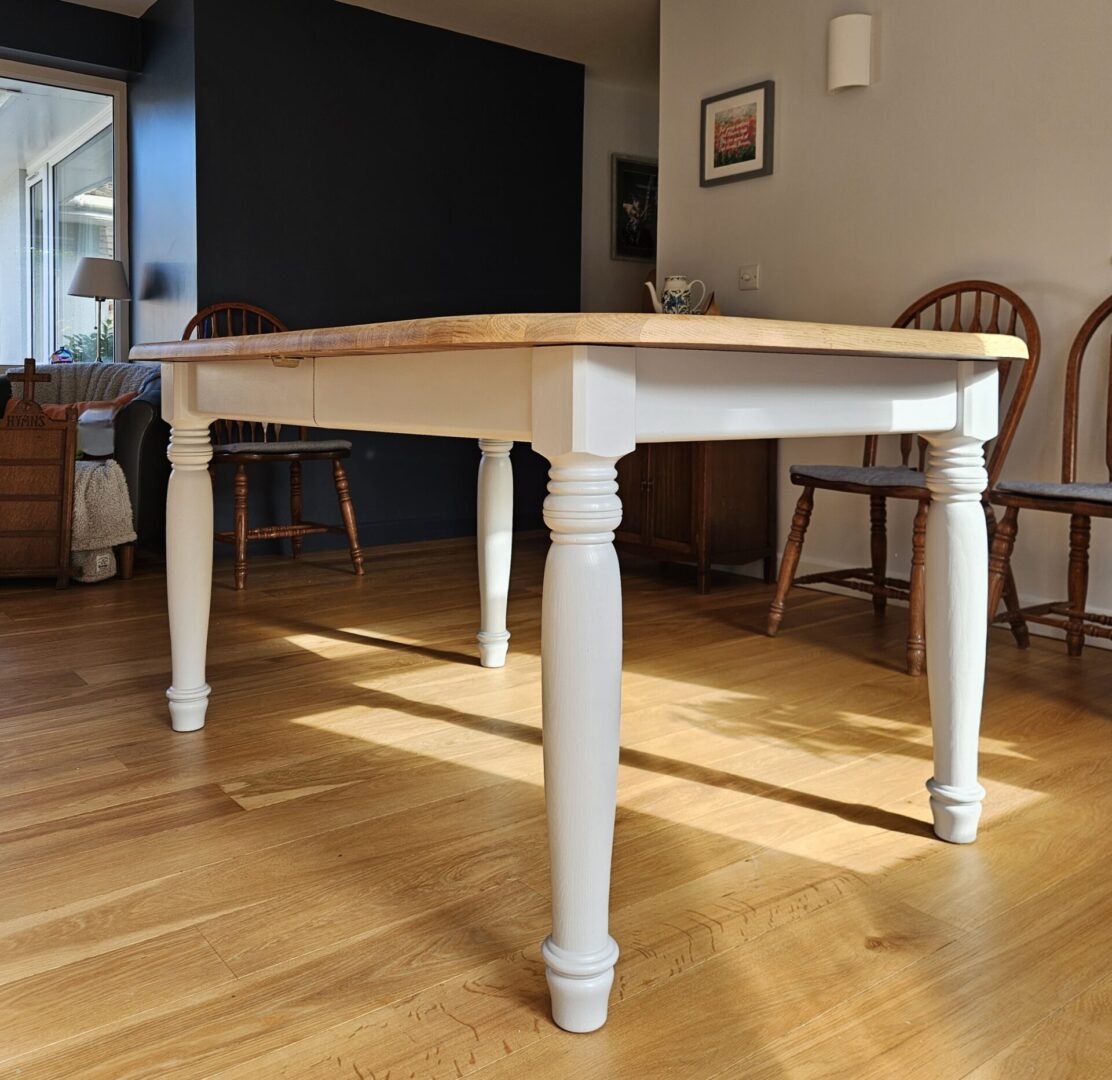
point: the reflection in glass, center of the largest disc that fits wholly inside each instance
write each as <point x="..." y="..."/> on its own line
<point x="83" y="209"/>
<point x="38" y="246"/>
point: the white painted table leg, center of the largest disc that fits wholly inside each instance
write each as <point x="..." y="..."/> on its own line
<point x="581" y="649"/>
<point x="956" y="599"/>
<point x="189" y="573"/>
<point x="496" y="525"/>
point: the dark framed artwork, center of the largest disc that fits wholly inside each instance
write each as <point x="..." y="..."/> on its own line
<point x="736" y="138"/>
<point x="633" y="192"/>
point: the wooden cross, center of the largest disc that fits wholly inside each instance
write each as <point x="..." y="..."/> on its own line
<point x="28" y="378"/>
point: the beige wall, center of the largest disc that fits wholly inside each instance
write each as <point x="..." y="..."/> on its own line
<point x="622" y="119"/>
<point x="985" y="149"/>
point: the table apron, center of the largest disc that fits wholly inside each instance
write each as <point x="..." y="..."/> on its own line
<point x="687" y="395"/>
<point x="680" y="394"/>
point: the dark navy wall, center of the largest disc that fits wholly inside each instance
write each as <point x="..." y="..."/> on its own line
<point x="162" y="151"/>
<point x="352" y="167"/>
<point x="69" y="36"/>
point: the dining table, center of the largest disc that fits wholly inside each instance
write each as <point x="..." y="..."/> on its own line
<point x="583" y="389"/>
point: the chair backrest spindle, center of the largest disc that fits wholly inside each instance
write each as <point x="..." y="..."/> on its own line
<point x="1073" y="394"/>
<point x="206" y="324"/>
<point x="1019" y="316"/>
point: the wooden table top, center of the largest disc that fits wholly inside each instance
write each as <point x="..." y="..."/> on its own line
<point x="719" y="332"/>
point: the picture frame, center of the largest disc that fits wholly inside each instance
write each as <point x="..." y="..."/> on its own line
<point x="736" y="136"/>
<point x="633" y="207"/>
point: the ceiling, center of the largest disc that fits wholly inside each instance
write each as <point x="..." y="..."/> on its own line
<point x="37" y="117"/>
<point x="616" y="39"/>
<point x="124" y="7"/>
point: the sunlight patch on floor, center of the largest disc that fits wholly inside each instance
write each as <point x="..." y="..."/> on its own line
<point x="862" y="808"/>
<point x="327" y="648"/>
<point x="921" y="733"/>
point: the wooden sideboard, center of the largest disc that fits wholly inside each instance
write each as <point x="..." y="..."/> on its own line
<point x="701" y="502"/>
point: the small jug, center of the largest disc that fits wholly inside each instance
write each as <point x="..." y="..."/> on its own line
<point x="675" y="297"/>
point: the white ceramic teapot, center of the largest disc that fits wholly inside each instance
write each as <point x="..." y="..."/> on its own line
<point x="675" y="296"/>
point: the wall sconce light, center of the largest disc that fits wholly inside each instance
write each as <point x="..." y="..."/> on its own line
<point x="849" y="60"/>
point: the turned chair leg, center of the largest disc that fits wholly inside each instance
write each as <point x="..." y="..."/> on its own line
<point x="1015" y="612"/>
<point x="702" y="576"/>
<point x="1080" y="527"/>
<point x="125" y="553"/>
<point x="1011" y="594"/>
<point x="878" y="520"/>
<point x="1000" y="559"/>
<point x="800" y="520"/>
<point x="347" y="512"/>
<point x="916" y="635"/>
<point x="295" y="505"/>
<point x="241" y="527"/>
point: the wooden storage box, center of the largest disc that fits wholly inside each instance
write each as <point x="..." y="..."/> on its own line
<point x="37" y="458"/>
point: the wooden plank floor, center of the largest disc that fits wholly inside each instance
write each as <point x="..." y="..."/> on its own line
<point x="344" y="875"/>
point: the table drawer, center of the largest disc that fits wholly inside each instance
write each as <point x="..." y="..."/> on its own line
<point x="471" y="394"/>
<point x="257" y="390"/>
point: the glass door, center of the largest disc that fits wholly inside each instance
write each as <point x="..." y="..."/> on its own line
<point x="83" y="225"/>
<point x="35" y="271"/>
<point x="63" y="191"/>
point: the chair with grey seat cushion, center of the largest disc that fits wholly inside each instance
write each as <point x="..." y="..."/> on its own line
<point x="969" y="306"/>
<point x="240" y="443"/>
<point x="1083" y="501"/>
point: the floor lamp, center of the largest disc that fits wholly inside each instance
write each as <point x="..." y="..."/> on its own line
<point x="102" y="279"/>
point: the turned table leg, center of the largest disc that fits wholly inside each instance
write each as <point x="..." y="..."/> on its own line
<point x="496" y="525"/>
<point x="189" y="573"/>
<point x="956" y="600"/>
<point x="581" y="646"/>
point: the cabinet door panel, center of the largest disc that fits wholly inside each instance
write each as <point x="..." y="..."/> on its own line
<point x="741" y="494"/>
<point x="671" y="496"/>
<point x="632" y="471"/>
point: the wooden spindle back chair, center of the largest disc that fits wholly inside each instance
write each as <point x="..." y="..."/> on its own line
<point x="234" y="320"/>
<point x="978" y="307"/>
<point x="243" y="442"/>
<point x="1082" y="501"/>
<point x="971" y="306"/>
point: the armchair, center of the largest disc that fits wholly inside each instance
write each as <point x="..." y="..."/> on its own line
<point x="141" y="436"/>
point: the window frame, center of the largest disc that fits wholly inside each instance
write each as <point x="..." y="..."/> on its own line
<point x="114" y="114"/>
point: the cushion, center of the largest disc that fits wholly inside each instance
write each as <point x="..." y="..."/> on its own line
<point x="867" y="475"/>
<point x="58" y="411"/>
<point x="116" y="404"/>
<point x="291" y="446"/>
<point x="1098" y="493"/>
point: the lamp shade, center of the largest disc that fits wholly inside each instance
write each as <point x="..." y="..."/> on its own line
<point x="101" y="278"/>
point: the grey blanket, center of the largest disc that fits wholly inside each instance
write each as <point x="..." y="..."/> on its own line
<point x="101" y="519"/>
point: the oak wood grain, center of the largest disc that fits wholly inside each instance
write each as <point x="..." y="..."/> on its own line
<point x="346" y="874"/>
<point x="647" y="331"/>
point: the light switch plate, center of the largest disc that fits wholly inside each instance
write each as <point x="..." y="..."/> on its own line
<point x="749" y="277"/>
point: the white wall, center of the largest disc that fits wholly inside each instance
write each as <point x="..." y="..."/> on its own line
<point x="622" y="119"/>
<point x="13" y="342"/>
<point x="985" y="150"/>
